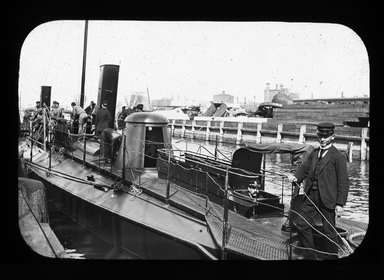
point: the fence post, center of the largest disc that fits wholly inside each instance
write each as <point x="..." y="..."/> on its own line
<point x="183" y="129"/>
<point x="363" y="145"/>
<point x="193" y="128"/>
<point x="208" y="131"/>
<point x="221" y="133"/>
<point x="279" y="130"/>
<point x="239" y="133"/>
<point x="258" y="133"/>
<point x="303" y="129"/>
<point x="350" y="151"/>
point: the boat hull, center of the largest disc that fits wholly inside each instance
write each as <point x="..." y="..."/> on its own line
<point x="141" y="241"/>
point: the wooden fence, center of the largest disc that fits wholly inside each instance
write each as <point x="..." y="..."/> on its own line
<point x="354" y="140"/>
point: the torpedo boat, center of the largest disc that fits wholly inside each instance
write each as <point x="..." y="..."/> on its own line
<point x="135" y="190"/>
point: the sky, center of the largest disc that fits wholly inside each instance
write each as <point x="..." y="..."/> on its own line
<point x="194" y="60"/>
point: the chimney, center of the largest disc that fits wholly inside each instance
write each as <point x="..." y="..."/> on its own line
<point x="108" y="82"/>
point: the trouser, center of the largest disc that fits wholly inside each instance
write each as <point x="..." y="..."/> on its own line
<point x="309" y="213"/>
<point x="81" y="122"/>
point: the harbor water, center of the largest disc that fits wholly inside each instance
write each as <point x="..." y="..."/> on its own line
<point x="74" y="236"/>
<point x="357" y="206"/>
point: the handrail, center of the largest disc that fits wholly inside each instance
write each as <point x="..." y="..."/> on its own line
<point x="220" y="169"/>
<point x="169" y="152"/>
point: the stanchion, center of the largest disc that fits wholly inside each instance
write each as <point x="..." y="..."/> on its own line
<point x="124" y="151"/>
<point x="225" y="220"/>
<point x="85" y="146"/>
<point x="168" y="175"/>
<point x="290" y="226"/>
<point x="31" y="148"/>
<point x="44" y="123"/>
<point x="50" y="152"/>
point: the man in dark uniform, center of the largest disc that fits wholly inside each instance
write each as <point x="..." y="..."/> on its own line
<point x="91" y="111"/>
<point x="103" y="118"/>
<point x="139" y="108"/>
<point x="326" y="190"/>
<point x="121" y="117"/>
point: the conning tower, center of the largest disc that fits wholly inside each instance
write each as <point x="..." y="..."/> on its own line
<point x="145" y="133"/>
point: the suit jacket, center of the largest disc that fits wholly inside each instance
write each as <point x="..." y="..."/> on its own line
<point x="103" y="119"/>
<point x="333" y="181"/>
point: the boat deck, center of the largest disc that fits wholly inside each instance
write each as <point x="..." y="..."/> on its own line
<point x="260" y="238"/>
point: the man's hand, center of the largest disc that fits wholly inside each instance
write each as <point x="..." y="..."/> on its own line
<point x="339" y="210"/>
<point x="292" y="178"/>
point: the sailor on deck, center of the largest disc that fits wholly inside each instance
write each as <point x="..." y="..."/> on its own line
<point x="103" y="118"/>
<point x="79" y="112"/>
<point x="326" y="191"/>
<point x="56" y="110"/>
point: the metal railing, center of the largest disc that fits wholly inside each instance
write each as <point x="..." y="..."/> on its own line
<point x="172" y="157"/>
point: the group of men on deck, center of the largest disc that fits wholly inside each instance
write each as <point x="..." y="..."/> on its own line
<point x="100" y="118"/>
<point x="325" y="174"/>
<point x="90" y="119"/>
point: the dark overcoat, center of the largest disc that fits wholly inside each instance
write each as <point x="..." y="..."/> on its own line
<point x="333" y="180"/>
<point x="103" y="119"/>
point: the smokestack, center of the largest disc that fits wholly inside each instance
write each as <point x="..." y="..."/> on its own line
<point x="45" y="96"/>
<point x="109" y="76"/>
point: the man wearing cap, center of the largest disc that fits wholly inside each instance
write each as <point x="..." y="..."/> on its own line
<point x="91" y="111"/>
<point x="56" y="110"/>
<point x="103" y="118"/>
<point x="139" y="108"/>
<point x="326" y="190"/>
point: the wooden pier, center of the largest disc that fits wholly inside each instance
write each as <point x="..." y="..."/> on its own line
<point x="353" y="140"/>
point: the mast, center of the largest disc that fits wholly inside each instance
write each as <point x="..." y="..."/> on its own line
<point x="149" y="101"/>
<point x="84" y="64"/>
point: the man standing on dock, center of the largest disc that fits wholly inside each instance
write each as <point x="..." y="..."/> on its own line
<point x="325" y="192"/>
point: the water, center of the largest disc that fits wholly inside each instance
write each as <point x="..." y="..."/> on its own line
<point x="357" y="206"/>
<point x="74" y="236"/>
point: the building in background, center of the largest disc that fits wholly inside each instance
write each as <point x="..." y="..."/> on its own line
<point x="269" y="93"/>
<point x="163" y="102"/>
<point x="223" y="97"/>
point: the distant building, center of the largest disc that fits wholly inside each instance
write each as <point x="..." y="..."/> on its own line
<point x="294" y="95"/>
<point x="223" y="97"/>
<point x="356" y="101"/>
<point x="161" y="102"/>
<point x="270" y="93"/>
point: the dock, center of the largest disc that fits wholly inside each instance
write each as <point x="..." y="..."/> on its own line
<point x="242" y="130"/>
